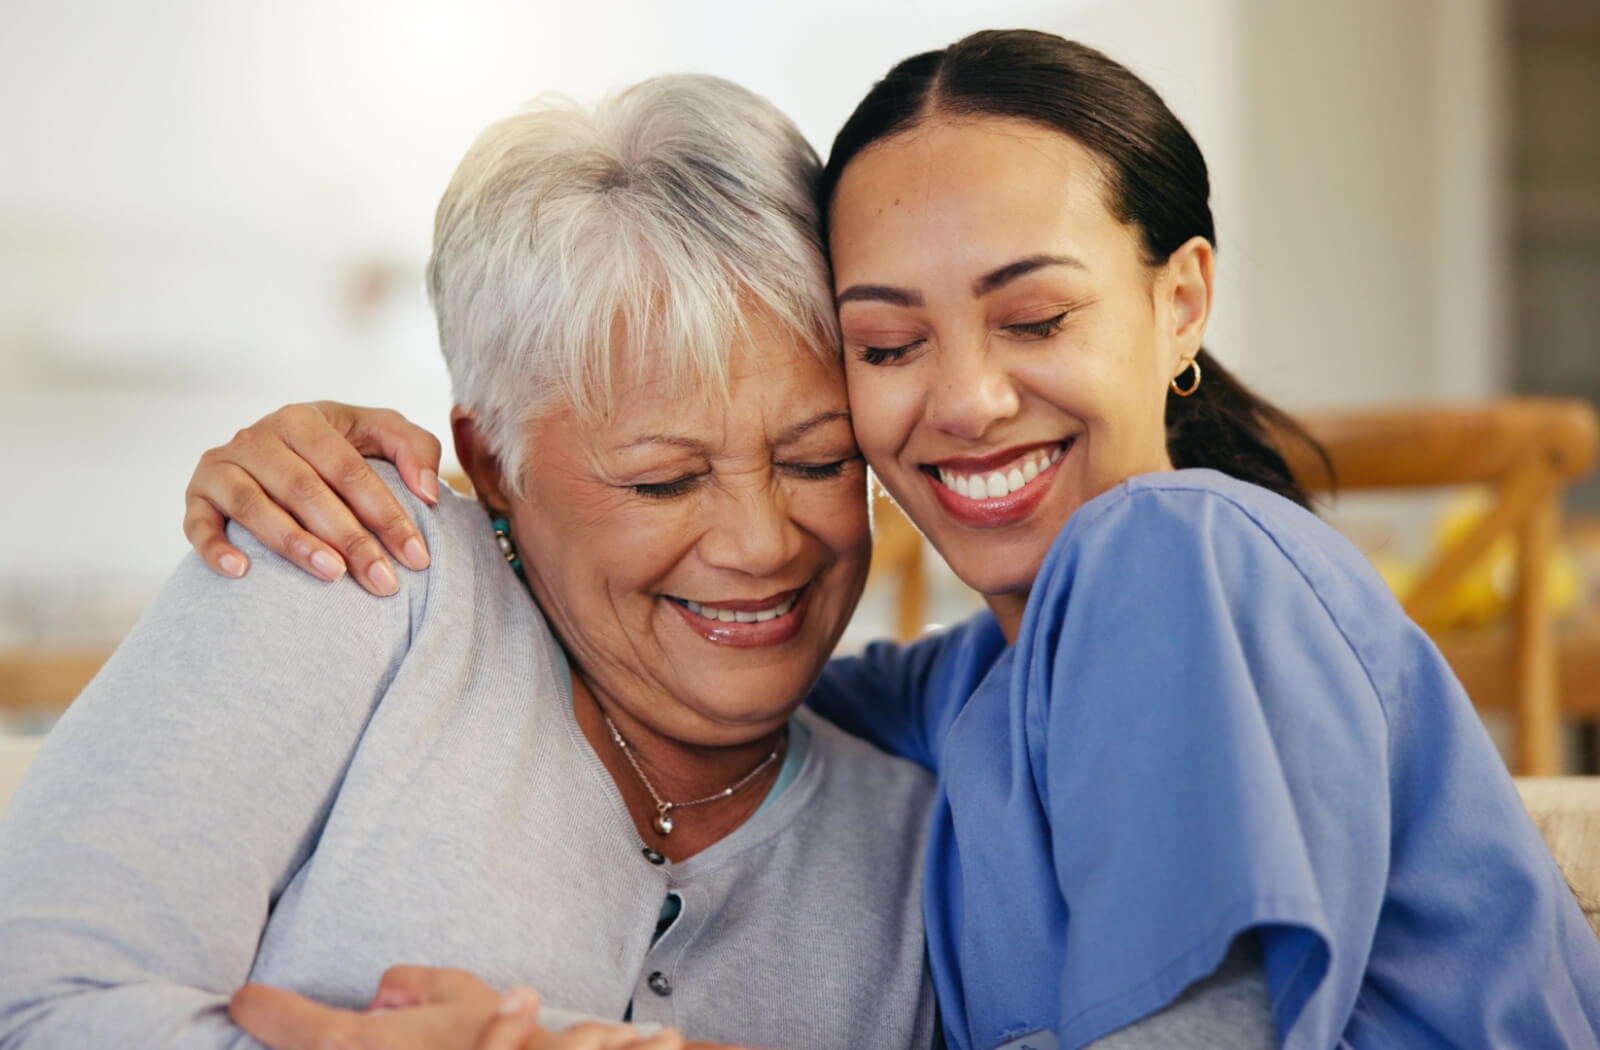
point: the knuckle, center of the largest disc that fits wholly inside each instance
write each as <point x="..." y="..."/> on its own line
<point x="392" y="521"/>
<point x="241" y="497"/>
<point x="299" y="414"/>
<point x="305" y="488"/>
<point x="358" y="548"/>
<point x="351" y="469"/>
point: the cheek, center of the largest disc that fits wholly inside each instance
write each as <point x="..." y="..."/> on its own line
<point x="885" y="404"/>
<point x="836" y="514"/>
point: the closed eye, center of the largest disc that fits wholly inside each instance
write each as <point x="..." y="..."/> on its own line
<point x="1039" y="329"/>
<point x="884" y="355"/>
<point x="818" y="471"/>
<point x="667" y="489"/>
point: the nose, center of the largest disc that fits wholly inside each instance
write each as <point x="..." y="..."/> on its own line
<point x="754" y="532"/>
<point x="970" y="393"/>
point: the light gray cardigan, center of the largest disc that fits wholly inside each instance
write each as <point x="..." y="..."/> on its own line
<point x="282" y="780"/>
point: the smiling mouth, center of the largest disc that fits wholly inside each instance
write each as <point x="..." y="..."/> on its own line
<point x="1000" y="480"/>
<point x="759" y="611"/>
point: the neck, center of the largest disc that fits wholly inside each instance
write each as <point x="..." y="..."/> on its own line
<point x="1008" y="609"/>
<point x="679" y="771"/>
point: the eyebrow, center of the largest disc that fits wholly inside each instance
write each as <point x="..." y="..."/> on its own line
<point x="878" y="293"/>
<point x="799" y="430"/>
<point x="677" y="440"/>
<point x="996" y="279"/>
<point x="789" y="436"/>
<point x="989" y="282"/>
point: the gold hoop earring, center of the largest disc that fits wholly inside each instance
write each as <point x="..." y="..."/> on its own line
<point x="1193" y="385"/>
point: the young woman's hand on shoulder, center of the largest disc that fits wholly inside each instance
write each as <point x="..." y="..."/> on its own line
<point x="298" y="482"/>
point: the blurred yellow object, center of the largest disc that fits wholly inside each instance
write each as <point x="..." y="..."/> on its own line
<point x="1399" y="574"/>
<point x="1484" y="591"/>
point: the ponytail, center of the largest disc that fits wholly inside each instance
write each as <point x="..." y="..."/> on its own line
<point x="1225" y="426"/>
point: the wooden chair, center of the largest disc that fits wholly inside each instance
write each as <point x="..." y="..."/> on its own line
<point x="1528" y="450"/>
<point x="44" y="678"/>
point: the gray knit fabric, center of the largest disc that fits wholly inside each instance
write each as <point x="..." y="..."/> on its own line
<point x="1229" y="1010"/>
<point x="282" y="780"/>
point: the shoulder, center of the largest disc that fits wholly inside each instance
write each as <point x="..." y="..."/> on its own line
<point x="859" y="770"/>
<point x="1221" y="526"/>
<point x="1168" y="560"/>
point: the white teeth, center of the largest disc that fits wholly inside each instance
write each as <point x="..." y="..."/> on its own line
<point x="741" y="615"/>
<point x="997" y="484"/>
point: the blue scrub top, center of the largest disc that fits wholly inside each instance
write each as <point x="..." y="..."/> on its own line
<point x="1216" y="719"/>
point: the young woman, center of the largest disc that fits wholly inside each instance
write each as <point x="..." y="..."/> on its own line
<point x="1193" y="742"/>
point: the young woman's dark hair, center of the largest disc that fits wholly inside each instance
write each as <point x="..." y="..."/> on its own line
<point x="1156" y="182"/>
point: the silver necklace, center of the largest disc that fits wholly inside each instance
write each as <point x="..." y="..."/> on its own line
<point x="662" y="821"/>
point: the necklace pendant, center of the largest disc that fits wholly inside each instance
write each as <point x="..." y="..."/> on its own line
<point x="662" y="823"/>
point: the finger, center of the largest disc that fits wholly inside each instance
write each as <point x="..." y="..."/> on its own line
<point x="233" y="492"/>
<point x="206" y="531"/>
<point x="666" y="1039"/>
<point x="591" y="1035"/>
<point x="413" y="450"/>
<point x="515" y="1025"/>
<point x="286" y="1021"/>
<point x="403" y="986"/>
<point x="345" y="485"/>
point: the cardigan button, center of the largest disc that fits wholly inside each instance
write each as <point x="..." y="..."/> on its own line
<point x="653" y="856"/>
<point x="659" y="984"/>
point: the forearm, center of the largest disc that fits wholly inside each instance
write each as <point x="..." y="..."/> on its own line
<point x="148" y="1014"/>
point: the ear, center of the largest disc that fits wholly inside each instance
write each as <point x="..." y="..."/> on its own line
<point x="1190" y="273"/>
<point x="481" y="466"/>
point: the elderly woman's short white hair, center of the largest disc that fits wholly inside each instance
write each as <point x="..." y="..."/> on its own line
<point x="664" y="215"/>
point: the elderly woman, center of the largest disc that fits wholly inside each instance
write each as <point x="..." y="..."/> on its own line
<point x="283" y="782"/>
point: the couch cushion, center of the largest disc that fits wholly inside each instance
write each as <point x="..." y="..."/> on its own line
<point x="1567" y="812"/>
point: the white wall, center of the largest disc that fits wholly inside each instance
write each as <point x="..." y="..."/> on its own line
<point x="1372" y="177"/>
<point x="193" y="193"/>
<point x="208" y="208"/>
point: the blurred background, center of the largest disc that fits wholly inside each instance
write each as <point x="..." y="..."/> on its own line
<point x="212" y="207"/>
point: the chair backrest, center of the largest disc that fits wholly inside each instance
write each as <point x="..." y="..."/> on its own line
<point x="16" y="752"/>
<point x="1528" y="450"/>
<point x="41" y="678"/>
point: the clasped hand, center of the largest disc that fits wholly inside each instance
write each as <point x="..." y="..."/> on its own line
<point x="426" y="1008"/>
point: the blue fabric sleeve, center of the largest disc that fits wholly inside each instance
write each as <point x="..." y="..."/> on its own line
<point x="903" y="697"/>
<point x="1227" y="766"/>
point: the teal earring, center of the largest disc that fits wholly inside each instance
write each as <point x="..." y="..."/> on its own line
<point x="502" y="536"/>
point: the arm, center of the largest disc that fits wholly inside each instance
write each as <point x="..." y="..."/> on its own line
<point x="1230" y="1008"/>
<point x="1215" y="763"/>
<point x="177" y="797"/>
<point x="296" y="480"/>
<point x="904" y="697"/>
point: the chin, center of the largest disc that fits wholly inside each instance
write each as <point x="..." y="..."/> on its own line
<point x="755" y="696"/>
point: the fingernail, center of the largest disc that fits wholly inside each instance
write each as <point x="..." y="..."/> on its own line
<point x="327" y="566"/>
<point x="231" y="564"/>
<point x="414" y="554"/>
<point x="518" y="1000"/>
<point x="430" y="485"/>
<point x="382" y="578"/>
